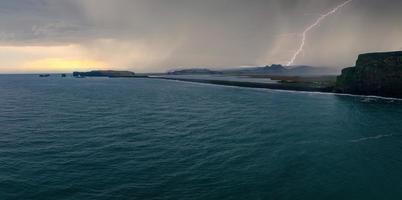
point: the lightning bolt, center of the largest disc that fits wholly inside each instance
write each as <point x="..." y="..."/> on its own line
<point x="312" y="26"/>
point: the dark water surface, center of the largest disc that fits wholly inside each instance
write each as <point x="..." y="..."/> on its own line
<point x="158" y="139"/>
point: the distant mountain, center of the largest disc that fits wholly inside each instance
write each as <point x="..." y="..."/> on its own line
<point x="309" y="70"/>
<point x="275" y="69"/>
<point x="285" y="71"/>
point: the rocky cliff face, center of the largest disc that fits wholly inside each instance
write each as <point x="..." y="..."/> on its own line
<point x="375" y="74"/>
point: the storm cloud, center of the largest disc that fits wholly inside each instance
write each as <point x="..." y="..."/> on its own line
<point x="157" y="35"/>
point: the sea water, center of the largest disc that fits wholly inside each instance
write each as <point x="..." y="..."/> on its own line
<point x="99" y="138"/>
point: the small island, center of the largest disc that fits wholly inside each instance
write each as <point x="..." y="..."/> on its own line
<point x="44" y="75"/>
<point x="106" y="73"/>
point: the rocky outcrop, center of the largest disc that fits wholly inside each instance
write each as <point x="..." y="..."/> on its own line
<point x="104" y="73"/>
<point x="377" y="74"/>
<point x="44" y="75"/>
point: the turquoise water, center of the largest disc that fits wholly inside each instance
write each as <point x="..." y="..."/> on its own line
<point x="158" y="139"/>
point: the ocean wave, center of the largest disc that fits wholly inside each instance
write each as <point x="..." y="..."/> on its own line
<point x="372" y="138"/>
<point x="365" y="98"/>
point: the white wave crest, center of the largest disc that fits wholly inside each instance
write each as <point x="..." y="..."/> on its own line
<point x="372" y="138"/>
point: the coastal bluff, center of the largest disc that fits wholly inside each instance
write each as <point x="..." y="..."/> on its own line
<point x="378" y="74"/>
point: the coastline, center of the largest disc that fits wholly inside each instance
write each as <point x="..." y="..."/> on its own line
<point x="248" y="84"/>
<point x="245" y="84"/>
<point x="276" y="87"/>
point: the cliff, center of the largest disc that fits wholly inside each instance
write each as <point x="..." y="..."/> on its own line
<point x="104" y="73"/>
<point x="377" y="74"/>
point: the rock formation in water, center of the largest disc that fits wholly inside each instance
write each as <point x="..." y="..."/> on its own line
<point x="374" y="74"/>
<point x="44" y="75"/>
<point x="104" y="73"/>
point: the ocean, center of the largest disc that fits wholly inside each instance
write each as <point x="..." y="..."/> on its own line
<point x="100" y="138"/>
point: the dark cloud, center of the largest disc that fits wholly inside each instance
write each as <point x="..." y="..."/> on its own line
<point x="216" y="33"/>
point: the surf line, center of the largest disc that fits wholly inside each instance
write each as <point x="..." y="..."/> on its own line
<point x="282" y="90"/>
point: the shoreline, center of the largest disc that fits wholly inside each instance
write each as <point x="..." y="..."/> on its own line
<point x="276" y="87"/>
<point x="273" y="86"/>
<point x="253" y="85"/>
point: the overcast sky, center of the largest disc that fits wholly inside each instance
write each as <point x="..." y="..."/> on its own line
<point x="157" y="35"/>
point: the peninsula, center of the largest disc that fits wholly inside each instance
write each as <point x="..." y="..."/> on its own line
<point x="376" y="74"/>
